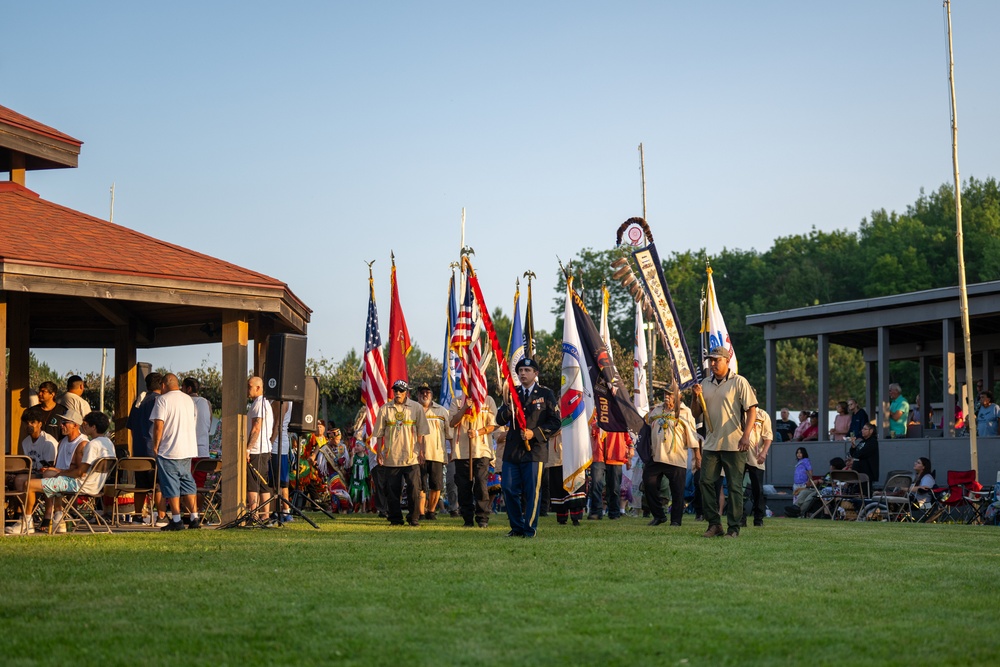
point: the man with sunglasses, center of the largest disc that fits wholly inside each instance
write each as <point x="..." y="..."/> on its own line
<point x="399" y="434"/>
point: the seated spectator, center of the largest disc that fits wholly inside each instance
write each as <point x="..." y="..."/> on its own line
<point x="802" y="473"/>
<point x="923" y="481"/>
<point x="784" y="427"/>
<point x="803" y="425"/>
<point x="988" y="415"/>
<point x="68" y="480"/>
<point x="865" y="452"/>
<point x="42" y="448"/>
<point x="841" y="423"/>
<point x="811" y="432"/>
<point x="807" y="501"/>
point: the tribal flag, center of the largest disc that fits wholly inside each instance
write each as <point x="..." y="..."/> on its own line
<point x="373" y="386"/>
<point x="469" y="354"/>
<point x="615" y="412"/>
<point x="450" y="383"/>
<point x="640" y="394"/>
<point x="715" y="326"/>
<point x="399" y="337"/>
<point x="605" y="332"/>
<point x="515" y="346"/>
<point x="574" y="406"/>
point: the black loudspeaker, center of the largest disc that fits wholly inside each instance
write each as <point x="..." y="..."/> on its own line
<point x="285" y="367"/>
<point x="306" y="413"/>
<point x="142" y="369"/>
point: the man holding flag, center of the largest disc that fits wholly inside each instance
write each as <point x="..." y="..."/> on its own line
<point x="526" y="449"/>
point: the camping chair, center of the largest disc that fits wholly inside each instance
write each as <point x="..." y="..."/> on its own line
<point x="853" y="490"/>
<point x="826" y="501"/>
<point x="124" y="483"/>
<point x="78" y="502"/>
<point x="17" y="465"/>
<point x="951" y="503"/>
<point x="208" y="494"/>
<point x="892" y="502"/>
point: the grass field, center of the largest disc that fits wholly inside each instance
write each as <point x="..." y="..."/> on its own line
<point x="358" y="592"/>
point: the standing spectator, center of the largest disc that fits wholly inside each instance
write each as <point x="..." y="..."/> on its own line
<point x="203" y="426"/>
<point x="142" y="442"/>
<point x="49" y="410"/>
<point x="760" y="443"/>
<point x="260" y="421"/>
<point x="399" y="435"/>
<point x="858" y="418"/>
<point x="784" y="428"/>
<point x="278" y="469"/>
<point x="801" y="474"/>
<point x="899" y="412"/>
<point x="175" y="443"/>
<point x="73" y="396"/>
<point x="988" y="415"/>
<point x="841" y="423"/>
<point x="865" y="451"/>
<point x="731" y="413"/>
<point x="525" y="450"/>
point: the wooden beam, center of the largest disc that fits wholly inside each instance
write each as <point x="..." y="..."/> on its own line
<point x="17" y="168"/>
<point x="119" y="315"/>
<point x="235" y="335"/>
<point x="35" y="145"/>
<point x="125" y="381"/>
<point x="18" y="380"/>
<point x="188" y="334"/>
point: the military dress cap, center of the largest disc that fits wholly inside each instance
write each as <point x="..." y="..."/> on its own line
<point x="526" y="362"/>
<point x="71" y="416"/>
<point x="401" y="385"/>
<point x="718" y="352"/>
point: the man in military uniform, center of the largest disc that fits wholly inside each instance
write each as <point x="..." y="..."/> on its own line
<point x="400" y="429"/>
<point x="435" y="444"/>
<point x="732" y="412"/>
<point x="526" y="450"/>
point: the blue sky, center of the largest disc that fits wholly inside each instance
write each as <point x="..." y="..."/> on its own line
<point x="301" y="139"/>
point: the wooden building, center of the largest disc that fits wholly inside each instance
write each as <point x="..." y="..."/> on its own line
<point x="70" y="280"/>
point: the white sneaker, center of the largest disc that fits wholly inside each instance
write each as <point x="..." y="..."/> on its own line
<point x="58" y="525"/>
<point x="24" y="526"/>
<point x="161" y="521"/>
<point x="147" y="520"/>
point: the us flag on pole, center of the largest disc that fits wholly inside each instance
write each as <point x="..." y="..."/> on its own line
<point x="469" y="354"/>
<point x="373" y="385"/>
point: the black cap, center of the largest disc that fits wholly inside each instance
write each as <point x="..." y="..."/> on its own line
<point x="423" y="386"/>
<point x="400" y="384"/>
<point x="526" y="362"/>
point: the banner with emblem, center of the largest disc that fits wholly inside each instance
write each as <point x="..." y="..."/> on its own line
<point x="574" y="407"/>
<point x="714" y="326"/>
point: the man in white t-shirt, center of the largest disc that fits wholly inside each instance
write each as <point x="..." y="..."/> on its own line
<point x="68" y="480"/>
<point x="175" y="443"/>
<point x="260" y="423"/>
<point x="73" y="397"/>
<point x="280" y="440"/>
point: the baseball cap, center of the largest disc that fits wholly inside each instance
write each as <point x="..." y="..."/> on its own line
<point x="401" y="385"/>
<point x="71" y="416"/>
<point x="423" y="386"/>
<point x="718" y="352"/>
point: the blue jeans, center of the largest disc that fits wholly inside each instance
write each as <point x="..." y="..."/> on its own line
<point x="611" y="475"/>
<point x="521" y="484"/>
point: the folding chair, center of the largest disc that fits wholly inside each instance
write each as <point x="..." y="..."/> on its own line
<point x="208" y="494"/>
<point x="826" y="502"/>
<point x="854" y="488"/>
<point x="17" y="465"/>
<point x="75" y="504"/>
<point x="124" y="483"/>
<point x="952" y="502"/>
<point x="892" y="502"/>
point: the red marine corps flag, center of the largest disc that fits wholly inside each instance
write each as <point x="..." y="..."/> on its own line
<point x="399" y="337"/>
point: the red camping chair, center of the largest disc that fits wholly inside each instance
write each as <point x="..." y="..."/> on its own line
<point x="959" y="501"/>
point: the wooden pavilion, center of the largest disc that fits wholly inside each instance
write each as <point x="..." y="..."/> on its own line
<point x="70" y="280"/>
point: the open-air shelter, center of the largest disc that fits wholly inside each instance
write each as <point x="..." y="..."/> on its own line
<point x="70" y="280"/>
<point x="923" y="327"/>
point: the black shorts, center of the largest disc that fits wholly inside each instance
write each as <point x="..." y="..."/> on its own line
<point x="144" y="479"/>
<point x="432" y="475"/>
<point x="261" y="462"/>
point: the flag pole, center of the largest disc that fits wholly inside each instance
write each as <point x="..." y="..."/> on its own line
<point x="962" y="291"/>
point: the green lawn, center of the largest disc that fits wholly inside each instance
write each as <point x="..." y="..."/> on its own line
<point x="359" y="592"/>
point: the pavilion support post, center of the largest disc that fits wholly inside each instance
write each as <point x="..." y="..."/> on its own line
<point x="989" y="361"/>
<point x="3" y="383"/>
<point x="235" y="335"/>
<point x="823" y="380"/>
<point x="883" y="383"/>
<point x="925" y="383"/>
<point x="771" y="373"/>
<point x="948" y="376"/>
<point x="18" y="378"/>
<point x="263" y="327"/>
<point x="869" y="400"/>
<point x="125" y="381"/>
<point x="17" y="167"/>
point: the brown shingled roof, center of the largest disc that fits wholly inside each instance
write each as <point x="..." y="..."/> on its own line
<point x="123" y="251"/>
<point x="11" y="117"/>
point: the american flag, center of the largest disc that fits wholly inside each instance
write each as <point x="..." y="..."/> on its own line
<point x="470" y="354"/>
<point x="373" y="390"/>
